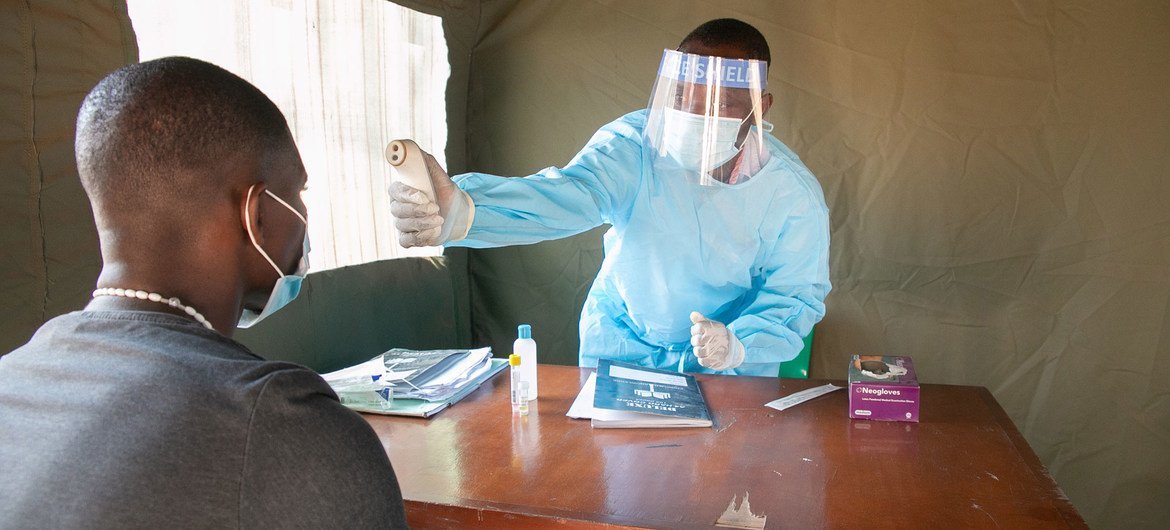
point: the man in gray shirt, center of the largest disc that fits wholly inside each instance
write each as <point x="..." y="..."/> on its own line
<point x="141" y="411"/>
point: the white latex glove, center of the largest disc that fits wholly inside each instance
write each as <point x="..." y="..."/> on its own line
<point x="422" y="222"/>
<point x="716" y="346"/>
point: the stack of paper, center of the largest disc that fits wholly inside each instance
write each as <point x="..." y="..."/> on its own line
<point x="413" y="382"/>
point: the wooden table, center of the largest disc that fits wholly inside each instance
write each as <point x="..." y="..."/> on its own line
<point x="478" y="465"/>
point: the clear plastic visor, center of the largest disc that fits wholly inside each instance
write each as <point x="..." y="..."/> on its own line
<point x="705" y="120"/>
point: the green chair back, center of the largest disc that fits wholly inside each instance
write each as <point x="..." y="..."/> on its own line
<point x="798" y="367"/>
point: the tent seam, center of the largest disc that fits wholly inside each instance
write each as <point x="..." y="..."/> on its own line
<point x="36" y="172"/>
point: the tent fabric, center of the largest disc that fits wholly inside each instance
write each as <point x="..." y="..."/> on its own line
<point x="996" y="174"/>
<point x="348" y="315"/>
<point x="53" y="53"/>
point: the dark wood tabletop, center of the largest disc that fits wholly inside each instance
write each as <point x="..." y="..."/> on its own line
<point x="477" y="464"/>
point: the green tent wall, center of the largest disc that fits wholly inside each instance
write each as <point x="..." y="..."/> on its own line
<point x="996" y="174"/>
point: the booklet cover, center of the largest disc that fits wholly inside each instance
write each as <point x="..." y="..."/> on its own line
<point x="629" y="396"/>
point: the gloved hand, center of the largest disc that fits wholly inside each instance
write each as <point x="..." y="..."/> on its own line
<point x="716" y="346"/>
<point x="422" y="222"/>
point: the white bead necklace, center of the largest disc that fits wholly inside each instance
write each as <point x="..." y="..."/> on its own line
<point x="154" y="297"/>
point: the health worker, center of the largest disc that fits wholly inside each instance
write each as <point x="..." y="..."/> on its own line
<point x="716" y="260"/>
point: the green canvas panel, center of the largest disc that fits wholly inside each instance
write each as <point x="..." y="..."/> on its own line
<point x="348" y="315"/>
<point x="995" y="173"/>
<point x="53" y="52"/>
<point x="542" y="285"/>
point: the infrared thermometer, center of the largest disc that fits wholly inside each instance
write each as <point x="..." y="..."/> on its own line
<point x="410" y="166"/>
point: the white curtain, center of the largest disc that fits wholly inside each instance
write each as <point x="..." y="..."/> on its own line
<point x="350" y="76"/>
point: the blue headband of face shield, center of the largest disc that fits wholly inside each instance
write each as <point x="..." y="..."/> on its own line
<point x="727" y="73"/>
<point x="288" y="286"/>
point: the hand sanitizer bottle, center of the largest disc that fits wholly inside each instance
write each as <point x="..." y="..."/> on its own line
<point x="525" y="347"/>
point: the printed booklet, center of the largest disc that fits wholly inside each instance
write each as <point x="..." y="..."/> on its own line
<point x="630" y="396"/>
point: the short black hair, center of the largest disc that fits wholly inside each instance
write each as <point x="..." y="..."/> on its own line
<point x="157" y="130"/>
<point x="733" y="32"/>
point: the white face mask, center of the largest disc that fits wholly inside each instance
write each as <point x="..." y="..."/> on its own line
<point x="288" y="286"/>
<point x="683" y="141"/>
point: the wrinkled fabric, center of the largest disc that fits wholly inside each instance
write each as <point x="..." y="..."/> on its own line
<point x="141" y="419"/>
<point x="752" y="255"/>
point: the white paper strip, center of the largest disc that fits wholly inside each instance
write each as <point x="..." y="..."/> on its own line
<point x="802" y="396"/>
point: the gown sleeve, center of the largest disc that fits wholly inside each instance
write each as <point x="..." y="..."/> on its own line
<point x="592" y="189"/>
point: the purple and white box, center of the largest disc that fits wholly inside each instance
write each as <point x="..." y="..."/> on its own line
<point x="883" y="388"/>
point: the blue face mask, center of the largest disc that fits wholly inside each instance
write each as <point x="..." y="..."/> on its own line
<point x="288" y="286"/>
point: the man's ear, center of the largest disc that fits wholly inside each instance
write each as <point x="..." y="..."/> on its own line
<point x="765" y="102"/>
<point x="250" y="220"/>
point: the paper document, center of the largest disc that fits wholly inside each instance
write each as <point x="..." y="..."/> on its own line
<point x="422" y="408"/>
<point x="433" y="375"/>
<point x="582" y="407"/>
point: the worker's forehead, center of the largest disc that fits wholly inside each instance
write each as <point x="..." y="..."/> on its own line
<point x="723" y="49"/>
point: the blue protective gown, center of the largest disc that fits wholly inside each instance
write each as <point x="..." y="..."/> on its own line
<point x="753" y="255"/>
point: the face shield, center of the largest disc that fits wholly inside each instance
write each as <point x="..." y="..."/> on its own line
<point x="705" y="122"/>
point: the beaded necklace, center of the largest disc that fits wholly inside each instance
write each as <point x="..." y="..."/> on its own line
<point x="154" y="297"/>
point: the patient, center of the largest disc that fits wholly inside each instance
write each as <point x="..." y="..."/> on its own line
<point x="140" y="410"/>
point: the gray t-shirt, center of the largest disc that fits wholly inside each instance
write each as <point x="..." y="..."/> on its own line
<point x="118" y="419"/>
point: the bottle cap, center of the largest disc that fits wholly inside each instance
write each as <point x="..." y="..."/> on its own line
<point x="525" y="331"/>
<point x="514" y="360"/>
